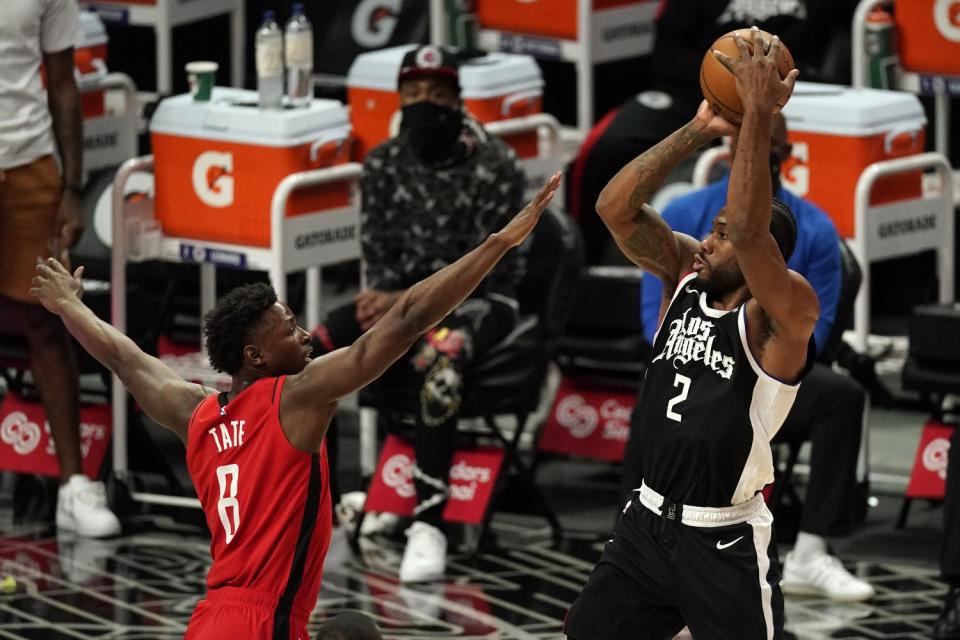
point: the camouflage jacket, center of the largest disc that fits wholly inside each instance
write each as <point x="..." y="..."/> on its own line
<point x="417" y="218"/>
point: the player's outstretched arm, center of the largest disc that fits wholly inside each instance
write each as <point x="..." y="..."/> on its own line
<point x="784" y="295"/>
<point x="420" y="308"/>
<point x="166" y="397"/>
<point x="638" y="229"/>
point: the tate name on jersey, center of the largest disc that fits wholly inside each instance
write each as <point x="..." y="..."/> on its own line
<point x="227" y="437"/>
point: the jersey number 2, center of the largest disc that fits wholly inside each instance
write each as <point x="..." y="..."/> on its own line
<point x="228" y="499"/>
<point x="684" y="383"/>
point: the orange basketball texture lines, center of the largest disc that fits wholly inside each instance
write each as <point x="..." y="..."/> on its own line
<point x="719" y="85"/>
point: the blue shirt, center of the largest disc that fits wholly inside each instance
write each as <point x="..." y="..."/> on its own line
<point x="816" y="257"/>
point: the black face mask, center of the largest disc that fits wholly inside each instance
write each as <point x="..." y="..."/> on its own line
<point x="431" y="130"/>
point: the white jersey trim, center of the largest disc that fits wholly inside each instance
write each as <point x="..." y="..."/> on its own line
<point x="769" y="405"/>
<point x="676" y="292"/>
<point x="762" y="525"/>
<point x="711" y="312"/>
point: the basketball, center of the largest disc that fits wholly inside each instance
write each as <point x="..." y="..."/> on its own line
<point x="718" y="84"/>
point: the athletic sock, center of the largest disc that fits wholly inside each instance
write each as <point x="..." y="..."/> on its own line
<point x="809" y="546"/>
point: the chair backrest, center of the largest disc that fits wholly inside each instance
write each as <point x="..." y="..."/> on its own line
<point x="851" y="276"/>
<point x="554" y="260"/>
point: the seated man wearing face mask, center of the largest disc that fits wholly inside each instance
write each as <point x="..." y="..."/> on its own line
<point x="428" y="196"/>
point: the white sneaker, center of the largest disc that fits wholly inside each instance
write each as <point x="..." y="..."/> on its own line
<point x="82" y="507"/>
<point x="824" y="575"/>
<point x="425" y="557"/>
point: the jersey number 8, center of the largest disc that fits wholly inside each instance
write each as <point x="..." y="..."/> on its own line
<point x="228" y="499"/>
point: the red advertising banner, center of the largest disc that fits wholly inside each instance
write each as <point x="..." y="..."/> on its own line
<point x="929" y="475"/>
<point x="472" y="477"/>
<point x="27" y="447"/>
<point x="588" y="421"/>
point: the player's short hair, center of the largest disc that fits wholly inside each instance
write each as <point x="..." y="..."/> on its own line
<point x="349" y="626"/>
<point x="227" y="327"/>
<point x="783" y="228"/>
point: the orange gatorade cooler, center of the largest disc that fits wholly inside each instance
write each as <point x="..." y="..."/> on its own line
<point x="928" y="36"/>
<point x="836" y="132"/>
<point x="495" y="86"/>
<point x="218" y="163"/>
<point x="612" y="21"/>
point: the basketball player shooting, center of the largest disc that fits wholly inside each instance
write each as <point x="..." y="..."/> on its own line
<point x="694" y="545"/>
<point x="256" y="453"/>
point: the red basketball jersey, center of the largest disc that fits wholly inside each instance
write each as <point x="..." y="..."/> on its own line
<point x="267" y="504"/>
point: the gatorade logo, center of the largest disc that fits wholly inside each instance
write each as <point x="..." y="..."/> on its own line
<point x="374" y="21"/>
<point x="795" y="171"/>
<point x="946" y="15"/>
<point x="213" y="178"/>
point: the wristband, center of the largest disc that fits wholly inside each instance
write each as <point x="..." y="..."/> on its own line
<point x="76" y="189"/>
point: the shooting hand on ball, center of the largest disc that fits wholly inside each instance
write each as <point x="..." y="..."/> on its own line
<point x="714" y="125"/>
<point x="758" y="81"/>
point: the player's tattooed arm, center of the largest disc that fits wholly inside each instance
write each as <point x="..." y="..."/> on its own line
<point x="638" y="229"/>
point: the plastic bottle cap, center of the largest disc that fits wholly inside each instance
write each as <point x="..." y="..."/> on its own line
<point x="297" y="8"/>
<point x="268" y="15"/>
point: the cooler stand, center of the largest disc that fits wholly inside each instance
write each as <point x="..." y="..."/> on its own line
<point x="548" y="159"/>
<point x="111" y="139"/>
<point x="164" y="15"/>
<point x="584" y="52"/>
<point x="135" y="238"/>
<point x="941" y="87"/>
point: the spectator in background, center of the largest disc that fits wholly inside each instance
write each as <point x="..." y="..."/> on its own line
<point x="811" y="29"/>
<point x="829" y="406"/>
<point x="948" y="626"/>
<point x="40" y="216"/>
<point x="428" y="195"/>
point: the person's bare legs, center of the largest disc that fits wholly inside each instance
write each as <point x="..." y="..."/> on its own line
<point x="55" y="375"/>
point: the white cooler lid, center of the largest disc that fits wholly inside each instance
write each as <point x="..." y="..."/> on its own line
<point x="377" y="69"/>
<point x="232" y="115"/>
<point x="490" y="75"/>
<point x="840" y="110"/>
<point x="92" y="31"/>
<point x="497" y="74"/>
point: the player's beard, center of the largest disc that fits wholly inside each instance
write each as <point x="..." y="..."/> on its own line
<point x="723" y="279"/>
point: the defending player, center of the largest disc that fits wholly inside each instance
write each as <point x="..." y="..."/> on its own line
<point x="256" y="453"/>
<point x="695" y="545"/>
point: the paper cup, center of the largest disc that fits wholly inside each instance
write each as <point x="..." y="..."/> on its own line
<point x="201" y="76"/>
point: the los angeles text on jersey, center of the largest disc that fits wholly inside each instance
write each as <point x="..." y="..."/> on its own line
<point x="691" y="340"/>
<point x="227" y="436"/>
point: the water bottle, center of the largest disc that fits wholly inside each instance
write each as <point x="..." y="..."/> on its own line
<point x="269" y="53"/>
<point x="462" y="26"/>
<point x="298" y="38"/>
<point x="881" y="58"/>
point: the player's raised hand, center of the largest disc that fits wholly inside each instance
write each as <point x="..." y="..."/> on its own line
<point x="54" y="285"/>
<point x="714" y="124"/>
<point x="516" y="231"/>
<point x="759" y="83"/>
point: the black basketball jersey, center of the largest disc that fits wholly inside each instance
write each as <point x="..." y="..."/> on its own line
<point x="708" y="411"/>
